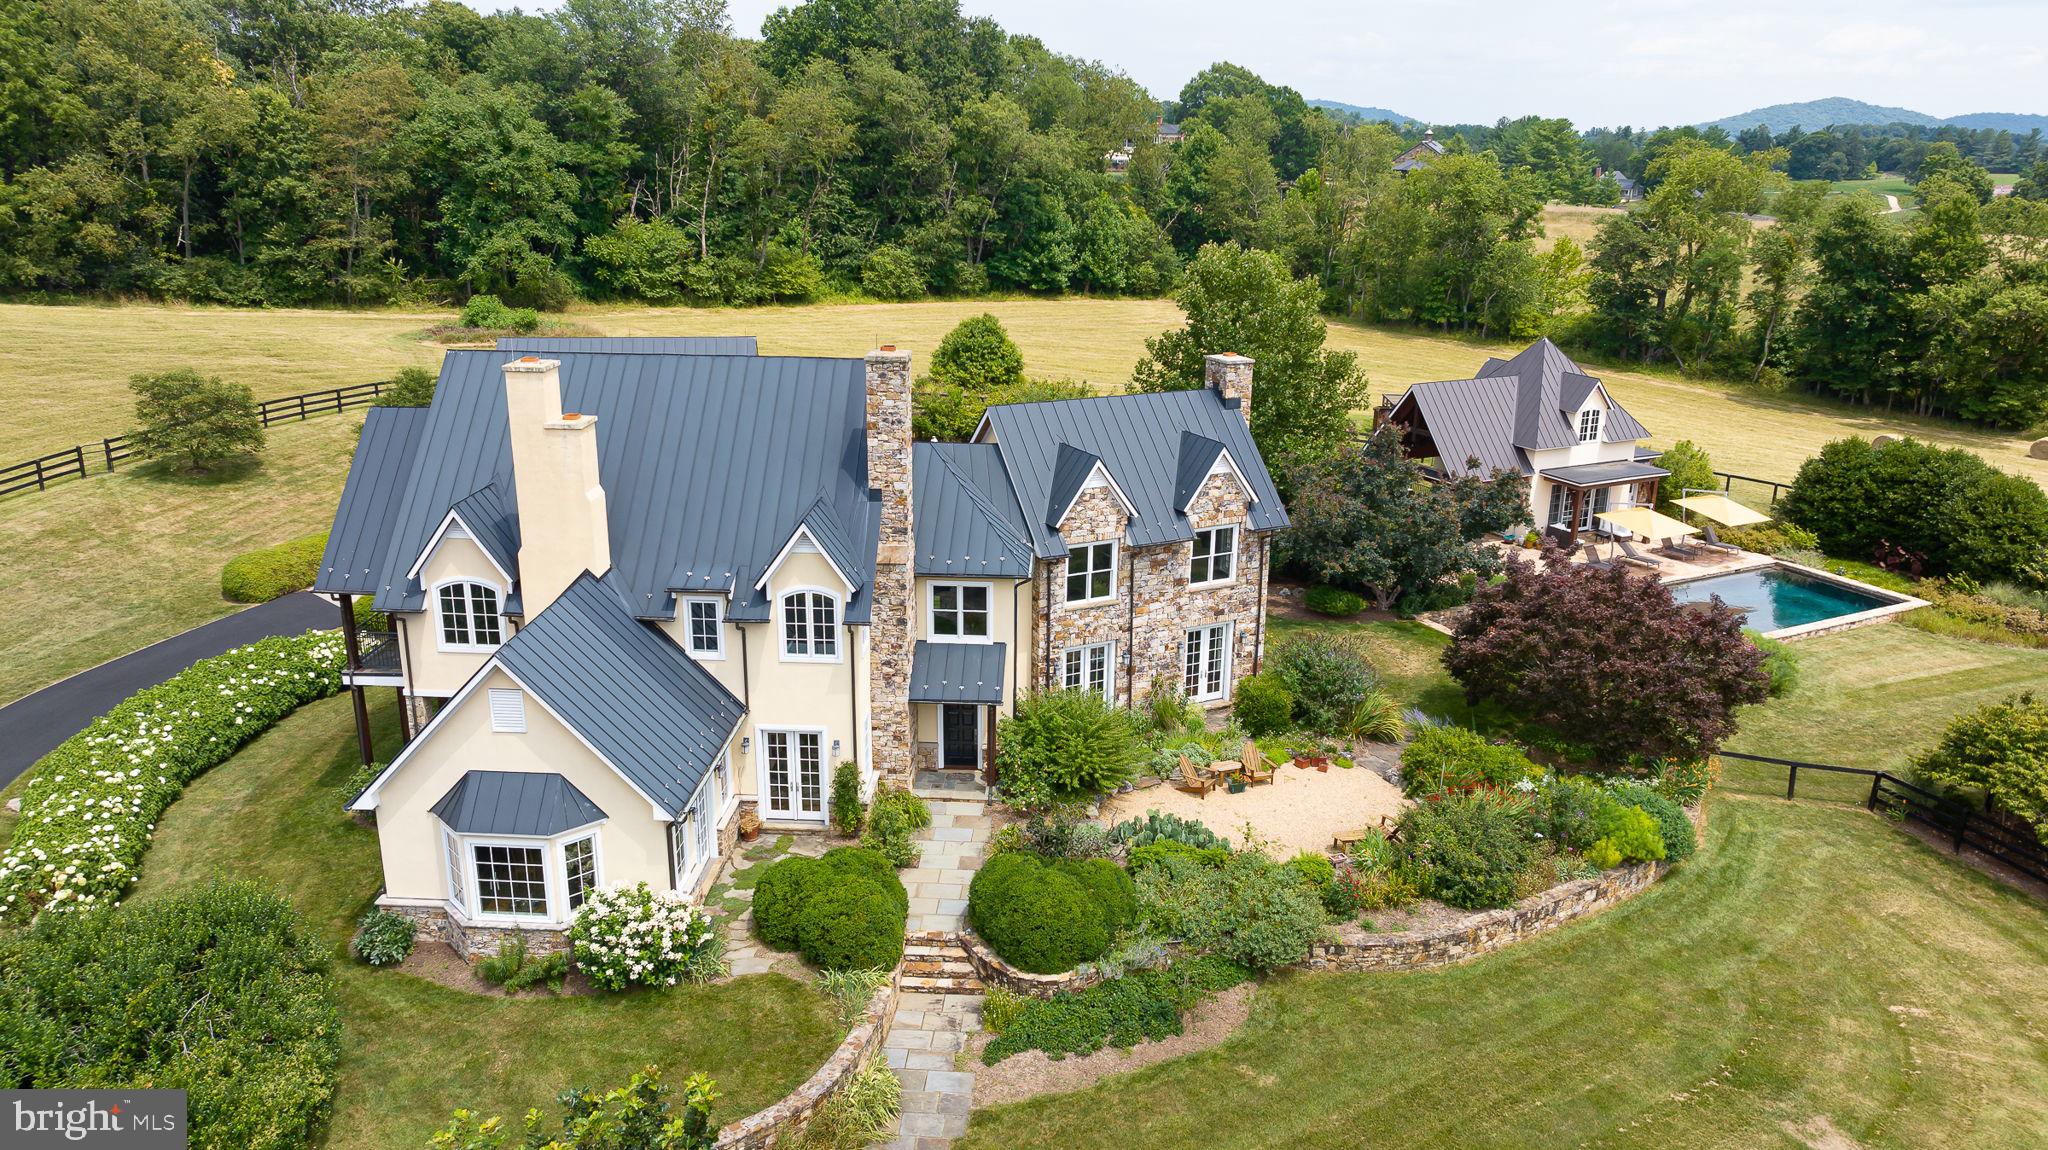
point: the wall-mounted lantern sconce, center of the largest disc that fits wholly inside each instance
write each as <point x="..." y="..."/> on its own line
<point x="746" y="741"/>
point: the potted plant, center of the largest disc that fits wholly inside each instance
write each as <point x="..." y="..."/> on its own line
<point x="1235" y="784"/>
<point x="1315" y="753"/>
<point x="750" y="825"/>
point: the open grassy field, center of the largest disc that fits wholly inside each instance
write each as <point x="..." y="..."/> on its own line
<point x="1579" y="221"/>
<point x="1812" y="979"/>
<point x="412" y="1051"/>
<point x="98" y="567"/>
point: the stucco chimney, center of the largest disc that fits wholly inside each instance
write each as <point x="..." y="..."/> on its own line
<point x="563" y="528"/>
<point x="890" y="630"/>
<point x="1230" y="376"/>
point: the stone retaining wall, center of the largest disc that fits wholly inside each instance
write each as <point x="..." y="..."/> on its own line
<point x="781" y="1123"/>
<point x="1489" y="931"/>
<point x="993" y="971"/>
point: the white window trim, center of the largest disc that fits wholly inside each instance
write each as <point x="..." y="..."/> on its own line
<point x="825" y="768"/>
<point x="1115" y="562"/>
<point x="1598" y="417"/>
<point x="931" y="611"/>
<point x="1236" y="554"/>
<point x="596" y="864"/>
<point x="1229" y="657"/>
<point x="452" y="527"/>
<point x="1108" y="647"/>
<point x="689" y="635"/>
<point x="838" y="654"/>
<point x="555" y="867"/>
<point x="441" y="642"/>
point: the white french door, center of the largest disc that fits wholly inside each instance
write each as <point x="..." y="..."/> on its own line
<point x="795" y="771"/>
<point x="1206" y="656"/>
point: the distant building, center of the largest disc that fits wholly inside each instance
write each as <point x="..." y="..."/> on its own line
<point x="1166" y="133"/>
<point x="1118" y="160"/>
<point x="1419" y="155"/>
<point x="1630" y="189"/>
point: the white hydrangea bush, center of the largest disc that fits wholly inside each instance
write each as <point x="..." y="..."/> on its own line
<point x="90" y="810"/>
<point x="629" y="936"/>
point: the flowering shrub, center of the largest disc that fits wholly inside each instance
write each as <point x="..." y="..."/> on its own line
<point x="636" y="935"/>
<point x="384" y="938"/>
<point x="88" y="814"/>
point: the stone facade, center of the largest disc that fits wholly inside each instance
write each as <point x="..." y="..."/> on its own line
<point x="782" y="1123"/>
<point x="891" y="629"/>
<point x="1230" y="375"/>
<point x="1490" y="931"/>
<point x="993" y="971"/>
<point x="1095" y="517"/>
<point x="1149" y="620"/>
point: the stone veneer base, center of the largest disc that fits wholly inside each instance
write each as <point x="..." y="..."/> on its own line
<point x="474" y="942"/>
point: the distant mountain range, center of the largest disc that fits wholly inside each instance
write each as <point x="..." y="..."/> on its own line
<point x="1363" y="112"/>
<point x="1815" y="114"/>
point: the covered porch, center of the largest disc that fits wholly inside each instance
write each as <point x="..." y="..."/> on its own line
<point x="956" y="696"/>
<point x="1578" y="495"/>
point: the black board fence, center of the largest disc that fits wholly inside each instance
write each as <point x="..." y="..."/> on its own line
<point x="77" y="462"/>
<point x="1744" y="488"/>
<point x="1962" y="826"/>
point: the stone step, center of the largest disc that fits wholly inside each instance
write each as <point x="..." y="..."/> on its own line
<point x="934" y="954"/>
<point x="925" y="984"/>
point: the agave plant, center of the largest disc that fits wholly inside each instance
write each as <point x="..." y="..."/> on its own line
<point x="1377" y="717"/>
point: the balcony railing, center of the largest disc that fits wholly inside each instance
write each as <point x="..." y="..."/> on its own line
<point x="377" y="653"/>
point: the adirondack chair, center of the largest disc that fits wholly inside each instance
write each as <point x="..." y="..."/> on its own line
<point x="1255" y="769"/>
<point x="1191" y="782"/>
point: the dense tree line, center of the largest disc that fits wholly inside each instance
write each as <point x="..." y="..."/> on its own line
<point x="1858" y="151"/>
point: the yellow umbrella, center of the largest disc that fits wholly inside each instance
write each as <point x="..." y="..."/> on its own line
<point x="1646" y="523"/>
<point x="1723" y="510"/>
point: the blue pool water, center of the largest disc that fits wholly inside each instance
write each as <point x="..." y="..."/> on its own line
<point x="1775" y="598"/>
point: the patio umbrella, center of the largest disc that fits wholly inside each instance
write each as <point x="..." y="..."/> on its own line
<point x="1722" y="510"/>
<point x="1647" y="524"/>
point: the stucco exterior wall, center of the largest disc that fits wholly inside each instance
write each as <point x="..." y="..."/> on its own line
<point x="428" y="669"/>
<point x="800" y="695"/>
<point x="632" y="844"/>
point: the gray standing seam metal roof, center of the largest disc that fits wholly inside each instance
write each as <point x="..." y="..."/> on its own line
<point x="352" y="563"/>
<point x="1138" y="439"/>
<point x="967" y="519"/>
<point x="635" y="344"/>
<point x="530" y="804"/>
<point x="626" y="688"/>
<point x="1512" y="407"/>
<point x="493" y="524"/>
<point x="1071" y="468"/>
<point x="957" y="672"/>
<point x="1614" y="471"/>
<point x="708" y="464"/>
<point x="1198" y="454"/>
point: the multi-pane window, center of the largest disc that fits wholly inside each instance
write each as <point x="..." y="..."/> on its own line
<point x="707" y="633"/>
<point x="1560" y="503"/>
<point x="1591" y="506"/>
<point x="1207" y="662"/>
<point x="1087" y="668"/>
<point x="511" y="880"/>
<point x="1091" y="572"/>
<point x="579" y="863"/>
<point x="796" y="777"/>
<point x="1215" y="555"/>
<point x="959" y="611"/>
<point x="1589" y="425"/>
<point x="810" y="625"/>
<point x="456" y="894"/>
<point x="469" y="616"/>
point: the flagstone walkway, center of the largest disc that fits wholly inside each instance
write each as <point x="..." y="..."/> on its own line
<point x="940" y="1003"/>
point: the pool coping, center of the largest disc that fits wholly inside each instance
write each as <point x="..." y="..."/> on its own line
<point x="1900" y="602"/>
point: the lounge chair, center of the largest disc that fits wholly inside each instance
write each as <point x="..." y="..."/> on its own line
<point x="1255" y="769"/>
<point x="1710" y="540"/>
<point x="1631" y="555"/>
<point x="1191" y="782"/>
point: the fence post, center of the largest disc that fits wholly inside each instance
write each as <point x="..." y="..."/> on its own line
<point x="107" y="445"/>
<point x="1962" y="828"/>
<point x="78" y="456"/>
<point x="1791" y="780"/>
<point x="40" y="485"/>
<point x="302" y="406"/>
<point x="1874" y="781"/>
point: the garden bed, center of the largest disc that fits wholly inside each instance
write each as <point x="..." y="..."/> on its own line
<point x="1034" y="1072"/>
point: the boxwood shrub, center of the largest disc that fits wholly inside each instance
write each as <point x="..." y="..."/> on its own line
<point x="1324" y="599"/>
<point x="1672" y="826"/>
<point x="264" y="574"/>
<point x="1109" y="885"/>
<point x="1038" y="918"/>
<point x="1264" y="706"/>
<point x="842" y="911"/>
<point x="218" y="990"/>
<point x="1466" y="849"/>
<point x="87" y="814"/>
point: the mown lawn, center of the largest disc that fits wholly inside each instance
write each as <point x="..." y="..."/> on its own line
<point x="94" y="569"/>
<point x="412" y="1050"/>
<point x="1813" y="979"/>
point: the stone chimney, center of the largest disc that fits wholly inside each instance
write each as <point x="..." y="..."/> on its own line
<point x="1230" y="376"/>
<point x="563" y="528"/>
<point x="890" y="629"/>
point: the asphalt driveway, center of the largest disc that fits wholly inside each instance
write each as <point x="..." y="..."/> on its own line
<point x="32" y="726"/>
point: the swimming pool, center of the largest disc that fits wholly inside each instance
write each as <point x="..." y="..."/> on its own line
<point x="1778" y="598"/>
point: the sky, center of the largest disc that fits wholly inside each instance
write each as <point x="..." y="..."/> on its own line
<point x="1641" y="62"/>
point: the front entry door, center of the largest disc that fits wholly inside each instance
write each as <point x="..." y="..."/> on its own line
<point x="959" y="735"/>
<point x="796" y="775"/>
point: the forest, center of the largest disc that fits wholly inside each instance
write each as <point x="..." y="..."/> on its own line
<point x="369" y="152"/>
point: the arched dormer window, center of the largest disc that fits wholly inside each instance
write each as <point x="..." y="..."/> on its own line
<point x="469" y="616"/>
<point x="810" y="626"/>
